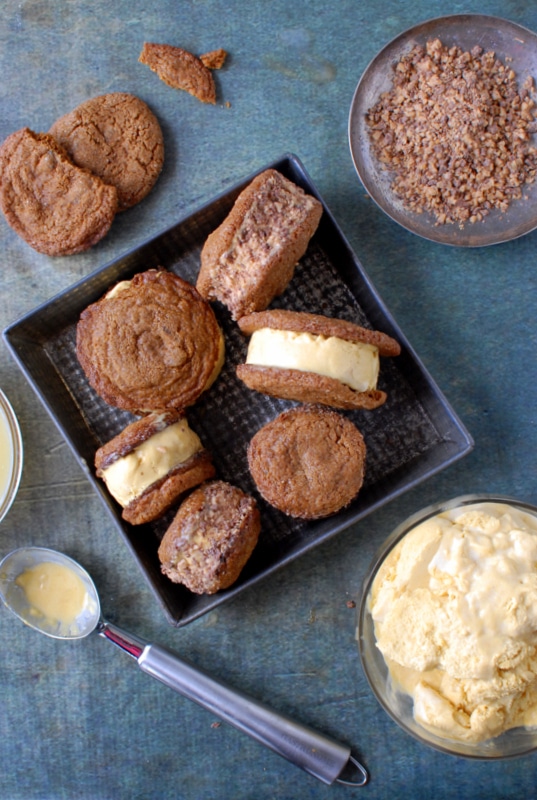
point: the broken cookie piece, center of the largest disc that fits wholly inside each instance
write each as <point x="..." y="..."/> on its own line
<point x="180" y="69"/>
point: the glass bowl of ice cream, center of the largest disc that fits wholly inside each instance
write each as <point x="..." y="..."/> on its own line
<point x="447" y="626"/>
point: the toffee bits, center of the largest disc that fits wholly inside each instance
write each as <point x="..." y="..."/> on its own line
<point x="455" y="133"/>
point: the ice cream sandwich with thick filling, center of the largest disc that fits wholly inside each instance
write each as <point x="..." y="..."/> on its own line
<point x="151" y="463"/>
<point x="251" y="257"/>
<point x="314" y="359"/>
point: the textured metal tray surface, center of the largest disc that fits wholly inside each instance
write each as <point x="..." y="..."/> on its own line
<point x="412" y="436"/>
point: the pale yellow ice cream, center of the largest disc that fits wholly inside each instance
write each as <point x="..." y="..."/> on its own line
<point x="6" y="456"/>
<point x="56" y="595"/>
<point x="128" y="477"/>
<point x="117" y="289"/>
<point x="455" y="613"/>
<point x="354" y="363"/>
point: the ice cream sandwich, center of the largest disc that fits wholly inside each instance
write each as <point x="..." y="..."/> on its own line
<point x="251" y="257"/>
<point x="314" y="359"/>
<point x="151" y="463"/>
<point x="210" y="538"/>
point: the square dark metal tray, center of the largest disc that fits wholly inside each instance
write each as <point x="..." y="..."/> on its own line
<point x="414" y="435"/>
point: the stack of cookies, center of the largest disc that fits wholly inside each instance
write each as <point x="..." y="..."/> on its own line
<point x="60" y="191"/>
<point x="152" y="346"/>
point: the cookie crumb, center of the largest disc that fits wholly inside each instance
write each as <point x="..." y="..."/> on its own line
<point x="215" y="59"/>
<point x="351" y="604"/>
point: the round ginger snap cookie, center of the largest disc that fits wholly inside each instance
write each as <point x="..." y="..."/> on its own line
<point x="317" y="324"/>
<point x="308" y="462"/>
<point x="118" y="138"/>
<point x="150" y="344"/>
<point x="307" y="387"/>
<point x="211" y="538"/>
<point x="56" y="207"/>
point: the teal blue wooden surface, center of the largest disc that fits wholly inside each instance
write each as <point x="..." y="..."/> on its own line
<point x="80" y="720"/>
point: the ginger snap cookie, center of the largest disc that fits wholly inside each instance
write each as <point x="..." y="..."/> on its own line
<point x="151" y="343"/>
<point x="118" y="138"/>
<point x="251" y="257"/>
<point x="211" y="538"/>
<point x="151" y="463"/>
<point x="56" y="207"/>
<point x="314" y="359"/>
<point x="308" y="462"/>
<point x="181" y="69"/>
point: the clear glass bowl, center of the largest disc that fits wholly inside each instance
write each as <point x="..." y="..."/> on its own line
<point x="399" y="705"/>
<point x="11" y="453"/>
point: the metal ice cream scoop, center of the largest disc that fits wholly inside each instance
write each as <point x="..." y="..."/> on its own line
<point x="30" y="587"/>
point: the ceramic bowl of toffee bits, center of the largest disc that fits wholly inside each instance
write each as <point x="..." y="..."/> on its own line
<point x="441" y="130"/>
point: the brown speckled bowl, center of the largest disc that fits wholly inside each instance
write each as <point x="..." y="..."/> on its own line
<point x="512" y="44"/>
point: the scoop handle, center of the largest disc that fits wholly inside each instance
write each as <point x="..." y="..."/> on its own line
<point x="315" y="753"/>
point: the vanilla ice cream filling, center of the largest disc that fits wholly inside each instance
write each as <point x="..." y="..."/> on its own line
<point x="117" y="289"/>
<point x="455" y="613"/>
<point x="129" y="476"/>
<point x="355" y="364"/>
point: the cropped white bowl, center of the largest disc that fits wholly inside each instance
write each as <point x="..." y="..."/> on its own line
<point x="10" y="431"/>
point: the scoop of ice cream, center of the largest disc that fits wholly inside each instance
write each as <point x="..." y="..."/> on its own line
<point x="455" y="613"/>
